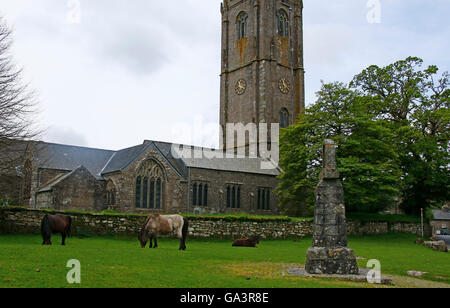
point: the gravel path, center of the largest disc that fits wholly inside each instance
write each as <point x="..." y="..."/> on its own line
<point x="278" y="270"/>
<point x="410" y="282"/>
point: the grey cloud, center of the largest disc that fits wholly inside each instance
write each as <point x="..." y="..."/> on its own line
<point x="65" y="135"/>
<point x="138" y="49"/>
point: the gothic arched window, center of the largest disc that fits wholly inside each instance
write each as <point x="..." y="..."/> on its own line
<point x="138" y="191"/>
<point x="110" y="193"/>
<point x="242" y="25"/>
<point x="283" y="23"/>
<point x="149" y="186"/>
<point x="284" y="118"/>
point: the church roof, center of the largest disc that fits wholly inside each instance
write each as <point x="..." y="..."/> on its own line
<point x="60" y="178"/>
<point x="100" y="162"/>
<point x="122" y="158"/>
<point x="246" y="165"/>
<point x="69" y="158"/>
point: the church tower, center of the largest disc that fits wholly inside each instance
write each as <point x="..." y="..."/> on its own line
<point x="262" y="74"/>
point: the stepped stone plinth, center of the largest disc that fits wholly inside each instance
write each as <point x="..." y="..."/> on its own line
<point x="330" y="254"/>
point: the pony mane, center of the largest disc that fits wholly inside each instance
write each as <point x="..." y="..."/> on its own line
<point x="144" y="226"/>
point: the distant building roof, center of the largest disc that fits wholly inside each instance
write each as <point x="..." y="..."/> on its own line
<point x="441" y="215"/>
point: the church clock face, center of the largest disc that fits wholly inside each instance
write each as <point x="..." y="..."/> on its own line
<point x="241" y="86"/>
<point x="284" y="85"/>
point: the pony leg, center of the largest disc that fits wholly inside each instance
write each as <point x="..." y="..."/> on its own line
<point x="184" y="233"/>
<point x="156" y="242"/>
<point x="181" y="244"/>
<point x="63" y="238"/>
<point x="46" y="241"/>
<point x="151" y="241"/>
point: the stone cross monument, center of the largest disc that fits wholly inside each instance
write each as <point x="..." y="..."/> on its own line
<point x="329" y="254"/>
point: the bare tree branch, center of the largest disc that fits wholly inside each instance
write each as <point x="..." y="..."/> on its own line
<point x="18" y="107"/>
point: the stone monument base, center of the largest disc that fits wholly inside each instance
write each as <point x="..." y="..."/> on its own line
<point x="331" y="261"/>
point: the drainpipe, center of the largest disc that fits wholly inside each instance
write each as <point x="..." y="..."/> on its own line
<point x="189" y="191"/>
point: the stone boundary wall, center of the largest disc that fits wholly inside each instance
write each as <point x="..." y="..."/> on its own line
<point x="24" y="221"/>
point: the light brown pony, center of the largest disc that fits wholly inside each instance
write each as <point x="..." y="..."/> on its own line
<point x="157" y="224"/>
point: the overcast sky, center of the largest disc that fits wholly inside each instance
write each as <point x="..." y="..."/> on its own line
<point x="143" y="69"/>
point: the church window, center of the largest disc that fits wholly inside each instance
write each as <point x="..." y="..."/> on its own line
<point x="145" y="193"/>
<point x="138" y="192"/>
<point x="238" y="198"/>
<point x="284" y="118"/>
<point x="194" y="195"/>
<point x="233" y="196"/>
<point x="158" y="194"/>
<point x="200" y="194"/>
<point x="152" y="193"/>
<point x="149" y="186"/>
<point x="263" y="199"/>
<point x="283" y="23"/>
<point x="110" y="193"/>
<point x="228" y="197"/>
<point x="242" y="25"/>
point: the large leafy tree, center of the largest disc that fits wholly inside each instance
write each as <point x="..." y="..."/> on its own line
<point x="391" y="125"/>
<point x="415" y="102"/>
<point x="367" y="163"/>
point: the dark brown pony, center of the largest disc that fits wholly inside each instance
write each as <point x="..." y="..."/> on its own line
<point x="53" y="224"/>
<point x="251" y="242"/>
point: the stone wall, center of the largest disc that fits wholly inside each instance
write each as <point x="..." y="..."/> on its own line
<point x="24" y="221"/>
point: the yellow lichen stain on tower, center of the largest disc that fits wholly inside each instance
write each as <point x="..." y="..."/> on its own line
<point x="283" y="47"/>
<point x="241" y="45"/>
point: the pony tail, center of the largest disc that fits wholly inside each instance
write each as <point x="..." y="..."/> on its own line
<point x="185" y="228"/>
<point x="45" y="228"/>
<point x="69" y="227"/>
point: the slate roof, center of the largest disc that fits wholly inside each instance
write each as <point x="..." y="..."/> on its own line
<point x="59" y="179"/>
<point x="441" y="215"/>
<point x="246" y="165"/>
<point x="100" y="162"/>
<point x="68" y="158"/>
<point x="121" y="159"/>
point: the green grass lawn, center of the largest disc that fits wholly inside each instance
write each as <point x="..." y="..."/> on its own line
<point x="119" y="262"/>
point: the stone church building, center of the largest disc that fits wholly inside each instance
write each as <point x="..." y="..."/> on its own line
<point x="262" y="81"/>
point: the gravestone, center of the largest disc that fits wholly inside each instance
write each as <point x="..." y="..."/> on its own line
<point x="330" y="254"/>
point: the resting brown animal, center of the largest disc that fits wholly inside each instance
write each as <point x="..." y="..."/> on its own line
<point x="252" y="242"/>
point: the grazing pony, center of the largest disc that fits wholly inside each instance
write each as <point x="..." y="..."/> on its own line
<point x="251" y="242"/>
<point x="157" y="224"/>
<point x="52" y="224"/>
